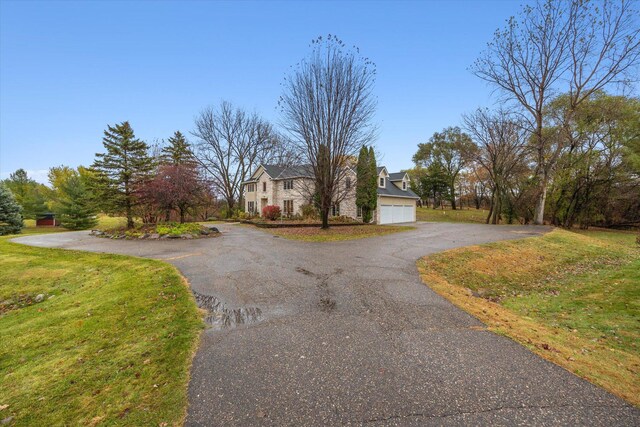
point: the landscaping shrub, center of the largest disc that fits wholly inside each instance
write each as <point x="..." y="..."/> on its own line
<point x="176" y="229"/>
<point x="309" y="211"/>
<point x="271" y="212"/>
<point x="231" y="213"/>
<point x="247" y="215"/>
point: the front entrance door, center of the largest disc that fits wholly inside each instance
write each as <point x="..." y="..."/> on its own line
<point x="263" y="203"/>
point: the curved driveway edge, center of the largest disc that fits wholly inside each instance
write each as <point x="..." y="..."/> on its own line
<point x="347" y="334"/>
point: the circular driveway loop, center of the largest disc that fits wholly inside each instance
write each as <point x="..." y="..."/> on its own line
<point x="347" y="334"/>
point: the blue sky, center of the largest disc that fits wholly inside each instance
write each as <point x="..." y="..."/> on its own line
<point x="68" y="69"/>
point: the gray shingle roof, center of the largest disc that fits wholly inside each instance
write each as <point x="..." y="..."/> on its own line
<point x="273" y="171"/>
<point x="287" y="172"/>
<point x="302" y="171"/>
<point x="397" y="176"/>
<point x="391" y="190"/>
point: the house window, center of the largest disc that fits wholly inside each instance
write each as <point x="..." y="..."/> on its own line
<point x="288" y="207"/>
<point x="251" y="207"/>
<point x="347" y="182"/>
<point x="335" y="210"/>
<point x="381" y="182"/>
<point x="251" y="188"/>
<point x="404" y="185"/>
<point x="359" y="212"/>
<point x="288" y="184"/>
<point x="264" y="186"/>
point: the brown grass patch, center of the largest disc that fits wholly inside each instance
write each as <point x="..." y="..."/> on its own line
<point x="313" y="234"/>
<point x="567" y="297"/>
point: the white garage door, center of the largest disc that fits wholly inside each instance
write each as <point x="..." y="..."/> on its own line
<point x="391" y="214"/>
<point x="407" y="213"/>
<point x="386" y="214"/>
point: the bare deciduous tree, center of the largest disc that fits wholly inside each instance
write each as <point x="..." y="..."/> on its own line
<point x="328" y="107"/>
<point x="231" y="143"/>
<point x="281" y="151"/>
<point x="584" y="45"/>
<point x="501" y="150"/>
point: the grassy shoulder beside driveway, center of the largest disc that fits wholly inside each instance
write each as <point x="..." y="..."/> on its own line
<point x="345" y="232"/>
<point x="572" y="298"/>
<point x="478" y="216"/>
<point x="111" y="342"/>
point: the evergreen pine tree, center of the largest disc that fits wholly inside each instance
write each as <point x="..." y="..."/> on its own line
<point x="74" y="208"/>
<point x="362" y="182"/>
<point x="118" y="171"/>
<point x="10" y="212"/>
<point x="373" y="183"/>
<point x="435" y="183"/>
<point x="367" y="184"/>
<point x="178" y="152"/>
<point x="27" y="193"/>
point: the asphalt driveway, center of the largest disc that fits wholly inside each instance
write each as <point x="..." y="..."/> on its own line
<point x="345" y="333"/>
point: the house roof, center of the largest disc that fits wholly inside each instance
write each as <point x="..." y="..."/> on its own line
<point x="273" y="170"/>
<point x="396" y="176"/>
<point x="390" y="189"/>
<point x="289" y="172"/>
<point x="301" y="171"/>
<point x="381" y="168"/>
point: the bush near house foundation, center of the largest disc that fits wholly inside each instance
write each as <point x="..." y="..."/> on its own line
<point x="271" y="212"/>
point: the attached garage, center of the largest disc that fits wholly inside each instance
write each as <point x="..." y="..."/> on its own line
<point x="396" y="212"/>
<point x="396" y="201"/>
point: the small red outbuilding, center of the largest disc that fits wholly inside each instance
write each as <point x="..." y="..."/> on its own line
<point x="46" y="220"/>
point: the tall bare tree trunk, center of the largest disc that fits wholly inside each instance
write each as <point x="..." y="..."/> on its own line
<point x="498" y="208"/>
<point x="491" y="207"/>
<point x="538" y="217"/>
<point x="231" y="203"/>
<point x="325" y="218"/>
<point x="453" y="197"/>
<point x="129" y="213"/>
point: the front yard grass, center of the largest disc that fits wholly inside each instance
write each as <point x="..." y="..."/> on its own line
<point x="448" y="215"/>
<point x="105" y="222"/>
<point x="111" y="342"/>
<point x="345" y="232"/>
<point x="573" y="298"/>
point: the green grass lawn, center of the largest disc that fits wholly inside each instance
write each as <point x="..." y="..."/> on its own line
<point x="110" y="344"/>
<point x="316" y="234"/>
<point x="573" y="298"/>
<point x="105" y="222"/>
<point x="109" y="222"/>
<point x="447" y="215"/>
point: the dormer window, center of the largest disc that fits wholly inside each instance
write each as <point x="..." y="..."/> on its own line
<point x="381" y="182"/>
<point x="404" y="185"/>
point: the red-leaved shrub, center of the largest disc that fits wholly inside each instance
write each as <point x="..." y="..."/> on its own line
<point x="271" y="212"/>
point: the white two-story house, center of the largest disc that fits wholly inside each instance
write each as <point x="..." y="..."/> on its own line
<point x="291" y="187"/>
